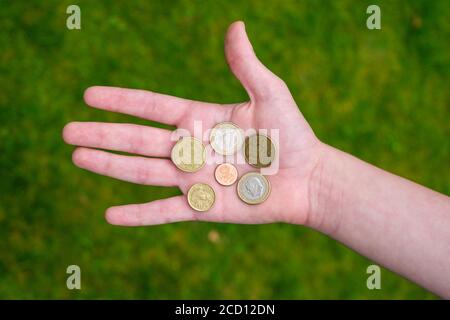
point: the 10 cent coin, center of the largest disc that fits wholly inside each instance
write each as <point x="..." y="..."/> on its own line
<point x="201" y="197"/>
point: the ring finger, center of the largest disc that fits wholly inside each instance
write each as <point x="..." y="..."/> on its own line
<point x="141" y="170"/>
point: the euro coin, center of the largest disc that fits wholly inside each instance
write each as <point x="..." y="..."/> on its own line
<point x="259" y="151"/>
<point x="201" y="197"/>
<point x="189" y="154"/>
<point x="226" y="138"/>
<point x="253" y="188"/>
<point x="226" y="174"/>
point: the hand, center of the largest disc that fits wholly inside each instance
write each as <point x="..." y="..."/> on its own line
<point x="271" y="106"/>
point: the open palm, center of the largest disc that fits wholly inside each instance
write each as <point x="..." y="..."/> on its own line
<point x="271" y="106"/>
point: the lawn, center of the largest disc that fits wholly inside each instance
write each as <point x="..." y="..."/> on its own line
<point x="381" y="95"/>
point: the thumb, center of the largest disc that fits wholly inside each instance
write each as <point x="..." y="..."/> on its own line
<point x="258" y="81"/>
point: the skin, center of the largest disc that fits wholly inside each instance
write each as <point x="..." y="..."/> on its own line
<point x="393" y="221"/>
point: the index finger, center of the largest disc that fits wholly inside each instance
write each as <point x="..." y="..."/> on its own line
<point x="149" y="105"/>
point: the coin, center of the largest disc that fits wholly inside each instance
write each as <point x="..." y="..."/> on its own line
<point x="259" y="150"/>
<point x="253" y="188"/>
<point x="201" y="197"/>
<point x="189" y="154"/>
<point x="226" y="138"/>
<point x="226" y="174"/>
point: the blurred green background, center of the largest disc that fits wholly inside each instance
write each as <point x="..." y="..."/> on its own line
<point x="381" y="95"/>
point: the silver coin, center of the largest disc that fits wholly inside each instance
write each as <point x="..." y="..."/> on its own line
<point x="253" y="188"/>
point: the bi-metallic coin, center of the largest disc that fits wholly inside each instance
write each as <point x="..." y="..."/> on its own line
<point x="226" y="138"/>
<point x="253" y="188"/>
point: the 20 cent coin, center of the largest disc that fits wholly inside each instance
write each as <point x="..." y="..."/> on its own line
<point x="189" y="154"/>
<point x="259" y="151"/>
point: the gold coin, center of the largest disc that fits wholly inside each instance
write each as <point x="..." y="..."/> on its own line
<point x="189" y="154"/>
<point x="226" y="174"/>
<point x="253" y="188"/>
<point x="226" y="138"/>
<point x="201" y="197"/>
<point x="259" y="150"/>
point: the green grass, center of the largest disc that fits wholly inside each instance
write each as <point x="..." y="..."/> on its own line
<point x="380" y="95"/>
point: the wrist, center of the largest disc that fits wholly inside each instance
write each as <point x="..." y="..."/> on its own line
<point x="326" y="190"/>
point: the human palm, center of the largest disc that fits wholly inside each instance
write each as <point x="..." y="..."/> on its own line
<point x="271" y="106"/>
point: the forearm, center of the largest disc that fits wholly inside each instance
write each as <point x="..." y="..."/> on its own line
<point x="391" y="220"/>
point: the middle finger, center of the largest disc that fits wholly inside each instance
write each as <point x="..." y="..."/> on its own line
<point x="130" y="138"/>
